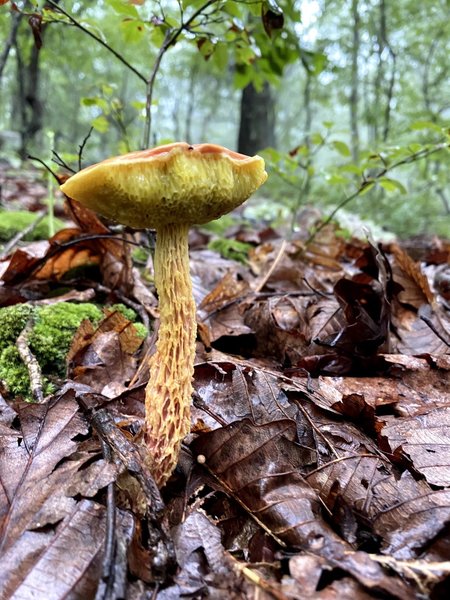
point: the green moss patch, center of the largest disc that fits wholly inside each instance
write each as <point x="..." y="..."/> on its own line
<point x="11" y="222"/>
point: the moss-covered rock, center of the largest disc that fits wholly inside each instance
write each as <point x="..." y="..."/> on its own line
<point x="49" y="341"/>
<point x="13" y="221"/>
<point x="53" y="329"/>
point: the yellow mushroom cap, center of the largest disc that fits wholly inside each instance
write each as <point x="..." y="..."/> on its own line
<point x="172" y="184"/>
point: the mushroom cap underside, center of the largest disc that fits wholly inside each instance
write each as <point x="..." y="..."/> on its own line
<point x="172" y="184"/>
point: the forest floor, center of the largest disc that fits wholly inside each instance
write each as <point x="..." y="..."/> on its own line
<point x="318" y="464"/>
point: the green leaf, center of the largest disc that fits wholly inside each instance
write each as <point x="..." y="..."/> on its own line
<point x="133" y="30"/>
<point x="100" y="124"/>
<point x="94" y="101"/>
<point x="426" y="125"/>
<point x="220" y="56"/>
<point x="336" y="179"/>
<point x="138" y="105"/>
<point x="392" y="185"/>
<point x="354" y="169"/>
<point x="122" y="7"/>
<point x="317" y="139"/>
<point x="341" y="147"/>
<point x="233" y="8"/>
<point x="368" y="185"/>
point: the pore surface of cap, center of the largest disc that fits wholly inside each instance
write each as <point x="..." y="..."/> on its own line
<point x="172" y="184"/>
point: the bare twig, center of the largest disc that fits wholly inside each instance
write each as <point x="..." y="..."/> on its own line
<point x="82" y="145"/>
<point x="45" y="165"/>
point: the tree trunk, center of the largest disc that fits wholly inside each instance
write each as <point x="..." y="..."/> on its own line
<point x="10" y="42"/>
<point x="257" y="126"/>
<point x="354" y="94"/>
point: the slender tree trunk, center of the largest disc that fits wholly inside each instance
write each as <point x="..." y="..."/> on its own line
<point x="307" y="105"/>
<point x="384" y="44"/>
<point x="190" y="103"/>
<point x="11" y="41"/>
<point x="257" y="125"/>
<point x="354" y="94"/>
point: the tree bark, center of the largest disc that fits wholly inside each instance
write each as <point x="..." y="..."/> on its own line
<point x="10" y="42"/>
<point x="257" y="124"/>
<point x="354" y="93"/>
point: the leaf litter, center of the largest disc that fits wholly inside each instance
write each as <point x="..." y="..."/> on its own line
<point x="318" y="464"/>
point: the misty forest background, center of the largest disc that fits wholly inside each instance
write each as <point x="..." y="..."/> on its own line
<point x="347" y="100"/>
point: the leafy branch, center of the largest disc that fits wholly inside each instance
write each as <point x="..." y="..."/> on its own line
<point x="170" y="38"/>
<point x="98" y="39"/>
<point x="368" y="182"/>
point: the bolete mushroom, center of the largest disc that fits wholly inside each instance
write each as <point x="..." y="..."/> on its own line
<point x="169" y="188"/>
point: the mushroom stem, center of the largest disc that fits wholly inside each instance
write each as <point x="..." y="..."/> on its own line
<point x="168" y="392"/>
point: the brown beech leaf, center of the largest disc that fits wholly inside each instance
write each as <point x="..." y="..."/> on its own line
<point x="256" y="394"/>
<point x="359" y="486"/>
<point x="198" y="541"/>
<point x="259" y="465"/>
<point x="42" y="472"/>
<point x="416" y="289"/>
<point x="280" y="327"/>
<point x="306" y="574"/>
<point x="103" y="357"/>
<point x="425" y="439"/>
<point x="424" y="332"/>
<point x="230" y="288"/>
<point x="33" y="570"/>
<point x="411" y="386"/>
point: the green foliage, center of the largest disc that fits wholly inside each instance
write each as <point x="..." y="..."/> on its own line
<point x="379" y="186"/>
<point x="12" y="222"/>
<point x="49" y="341"/>
<point x="53" y="329"/>
<point x="210" y="51"/>
<point x="229" y="248"/>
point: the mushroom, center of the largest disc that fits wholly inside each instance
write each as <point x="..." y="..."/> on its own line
<point x="169" y="188"/>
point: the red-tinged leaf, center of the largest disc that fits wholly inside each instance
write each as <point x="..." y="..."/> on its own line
<point x="2" y="2"/>
<point x="35" y="22"/>
<point x="272" y="17"/>
<point x="103" y="358"/>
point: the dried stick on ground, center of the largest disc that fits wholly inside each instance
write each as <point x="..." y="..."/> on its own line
<point x="30" y="361"/>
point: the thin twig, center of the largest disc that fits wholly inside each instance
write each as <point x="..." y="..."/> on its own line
<point x="107" y="579"/>
<point x="21" y="234"/>
<point x="45" y="165"/>
<point x="366" y="182"/>
<point x="97" y="39"/>
<point x="30" y="361"/>
<point x="82" y="145"/>
<point x="169" y="40"/>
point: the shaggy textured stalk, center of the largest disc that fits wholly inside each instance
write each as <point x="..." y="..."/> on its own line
<point x="169" y="390"/>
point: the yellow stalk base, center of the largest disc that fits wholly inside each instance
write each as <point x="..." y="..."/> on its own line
<point x="169" y="390"/>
